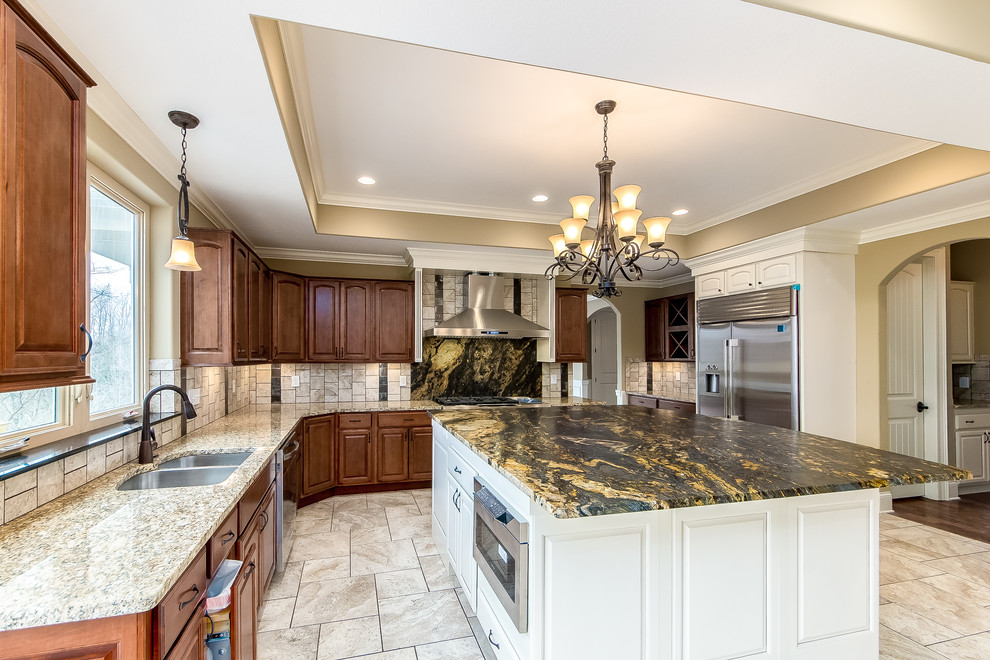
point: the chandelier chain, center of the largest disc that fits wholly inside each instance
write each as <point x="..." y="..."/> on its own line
<point x="605" y="137"/>
<point x="182" y="171"/>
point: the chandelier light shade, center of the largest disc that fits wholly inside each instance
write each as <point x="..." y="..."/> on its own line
<point x="183" y="255"/>
<point x="617" y="246"/>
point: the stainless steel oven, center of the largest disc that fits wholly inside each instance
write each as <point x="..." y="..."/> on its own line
<point x="501" y="548"/>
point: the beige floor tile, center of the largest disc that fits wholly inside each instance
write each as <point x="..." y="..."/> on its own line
<point x="980" y="544"/>
<point x="891" y="521"/>
<point x="896" y="568"/>
<point x="968" y="567"/>
<point x="391" y="498"/>
<point x="346" y="639"/>
<point x="958" y="586"/>
<point x="319" y="511"/>
<point x="944" y="545"/>
<point x="350" y="502"/>
<point x="315" y="526"/>
<point x="276" y="614"/>
<point x="350" y="519"/>
<point x="321" y="546"/>
<point x="465" y="648"/>
<point x="976" y="647"/>
<point x="405" y="511"/>
<point x="465" y="605"/>
<point x="436" y="573"/>
<point x="335" y="600"/>
<point x="421" y="619"/>
<point x="286" y="584"/>
<point x="326" y="569"/>
<point x="939" y="606"/>
<point x="289" y="644"/>
<point x="425" y="546"/>
<point x="897" y="647"/>
<point x="400" y="583"/>
<point x="370" y="558"/>
<point x="398" y="654"/>
<point x="912" y="625"/>
<point x="908" y="550"/>
<point x="363" y="535"/>
<point x="408" y="528"/>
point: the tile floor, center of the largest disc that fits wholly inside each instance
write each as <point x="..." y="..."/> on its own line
<point x="364" y="579"/>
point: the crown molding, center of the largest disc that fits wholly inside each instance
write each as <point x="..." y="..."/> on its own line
<point x="836" y="174"/>
<point x="328" y="256"/>
<point x="802" y="239"/>
<point x="440" y="208"/>
<point x="926" y="222"/>
<point x="472" y="258"/>
<point x="663" y="283"/>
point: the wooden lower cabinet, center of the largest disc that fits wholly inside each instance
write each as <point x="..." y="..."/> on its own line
<point x="355" y="460"/>
<point x="266" y="541"/>
<point x="393" y="454"/>
<point x="247" y="598"/>
<point x="420" y="453"/>
<point x="318" y="454"/>
<point x="190" y="645"/>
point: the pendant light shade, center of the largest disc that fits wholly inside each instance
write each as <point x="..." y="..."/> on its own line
<point x="183" y="255"/>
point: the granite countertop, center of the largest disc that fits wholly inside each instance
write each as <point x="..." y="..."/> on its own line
<point x="98" y="552"/>
<point x="595" y="460"/>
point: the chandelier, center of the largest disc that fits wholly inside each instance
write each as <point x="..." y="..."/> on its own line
<point x="617" y="245"/>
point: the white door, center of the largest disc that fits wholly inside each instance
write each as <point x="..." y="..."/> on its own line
<point x="906" y="369"/>
<point x="604" y="363"/>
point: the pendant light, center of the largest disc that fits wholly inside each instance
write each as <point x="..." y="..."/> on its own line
<point x="183" y="256"/>
<point x="617" y="245"/>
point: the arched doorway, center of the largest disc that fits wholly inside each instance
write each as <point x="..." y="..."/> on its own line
<point x="604" y="368"/>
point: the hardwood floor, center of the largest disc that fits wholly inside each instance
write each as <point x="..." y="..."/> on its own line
<point x="969" y="516"/>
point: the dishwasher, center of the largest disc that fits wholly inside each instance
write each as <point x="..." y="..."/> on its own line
<point x="288" y="482"/>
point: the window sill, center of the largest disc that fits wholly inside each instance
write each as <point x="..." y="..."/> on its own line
<point x="31" y="458"/>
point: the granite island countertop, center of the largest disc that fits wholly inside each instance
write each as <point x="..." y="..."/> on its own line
<point x="579" y="461"/>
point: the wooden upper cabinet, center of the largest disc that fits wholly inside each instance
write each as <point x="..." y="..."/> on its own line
<point x="322" y="310"/>
<point x="260" y="303"/>
<point x="571" y="310"/>
<point x="654" y="330"/>
<point x="241" y="305"/>
<point x="288" y="318"/>
<point x="356" y="321"/>
<point x="206" y="325"/>
<point x="43" y="217"/>
<point x="670" y="329"/>
<point x="394" y="321"/>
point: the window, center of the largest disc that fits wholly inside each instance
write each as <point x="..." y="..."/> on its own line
<point x="117" y="362"/>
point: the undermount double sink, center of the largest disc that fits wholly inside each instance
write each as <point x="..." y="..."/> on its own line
<point x="191" y="470"/>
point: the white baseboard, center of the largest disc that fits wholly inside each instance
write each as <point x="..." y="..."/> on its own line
<point x="886" y="502"/>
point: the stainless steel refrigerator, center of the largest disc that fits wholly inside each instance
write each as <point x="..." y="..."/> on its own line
<point x="747" y="350"/>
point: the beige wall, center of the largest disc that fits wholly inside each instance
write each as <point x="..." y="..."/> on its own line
<point x="970" y="263"/>
<point x="875" y="264"/>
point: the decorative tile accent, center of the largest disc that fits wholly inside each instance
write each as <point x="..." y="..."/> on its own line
<point x="660" y="379"/>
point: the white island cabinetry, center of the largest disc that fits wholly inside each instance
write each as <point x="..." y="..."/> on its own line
<point x="789" y="578"/>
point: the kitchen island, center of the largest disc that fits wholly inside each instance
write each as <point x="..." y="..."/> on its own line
<point x="661" y="535"/>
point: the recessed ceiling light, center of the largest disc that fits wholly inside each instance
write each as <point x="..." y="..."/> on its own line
<point x="366" y="180"/>
<point x="679" y="212"/>
<point x="540" y="198"/>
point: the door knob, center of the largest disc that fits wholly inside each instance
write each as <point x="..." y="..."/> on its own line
<point x="921" y="407"/>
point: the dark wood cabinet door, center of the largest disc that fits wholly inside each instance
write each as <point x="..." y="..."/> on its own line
<point x="354" y="457"/>
<point x="318" y="454"/>
<point x="190" y="644"/>
<point x="572" y="325"/>
<point x="266" y="544"/>
<point x="393" y="454"/>
<point x="241" y="269"/>
<point x="679" y="328"/>
<point x="356" y="321"/>
<point x="322" y="310"/>
<point x="394" y="321"/>
<point x="43" y="219"/>
<point x="259" y="300"/>
<point x="655" y="337"/>
<point x="421" y="452"/>
<point x="266" y="316"/>
<point x="246" y="599"/>
<point x="205" y="309"/>
<point x="288" y="318"/>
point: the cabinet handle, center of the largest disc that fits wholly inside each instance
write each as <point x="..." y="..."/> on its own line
<point x="457" y="470"/>
<point x="262" y="349"/>
<point x="252" y="567"/>
<point x="195" y="591"/>
<point x="82" y="328"/>
<point x="274" y="352"/>
<point x="492" y="641"/>
<point x="264" y="515"/>
<point x="408" y="419"/>
<point x="227" y="538"/>
<point x="969" y="421"/>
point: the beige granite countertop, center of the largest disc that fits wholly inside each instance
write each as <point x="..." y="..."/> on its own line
<point x="98" y="552"/>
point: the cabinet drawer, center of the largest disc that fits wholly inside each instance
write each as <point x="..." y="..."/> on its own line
<point x="679" y="406"/>
<point x="403" y="419"/>
<point x="461" y="471"/>
<point x="493" y="631"/>
<point x="973" y="421"/>
<point x="642" y="401"/>
<point x="354" y="421"/>
<point x="222" y="542"/>
<point x="180" y="603"/>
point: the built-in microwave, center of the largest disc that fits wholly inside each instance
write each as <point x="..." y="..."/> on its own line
<point x="501" y="549"/>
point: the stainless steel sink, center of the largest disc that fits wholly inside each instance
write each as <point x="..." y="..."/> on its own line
<point x="197" y="476"/>
<point x="205" y="460"/>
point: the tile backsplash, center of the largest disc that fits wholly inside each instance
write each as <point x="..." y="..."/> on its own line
<point x="978" y="373"/>
<point x="660" y="379"/>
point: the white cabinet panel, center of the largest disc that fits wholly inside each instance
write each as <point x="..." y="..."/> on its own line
<point x="727" y="591"/>
<point x="774" y="272"/>
<point x="835" y="558"/>
<point x="712" y="284"/>
<point x="440" y="500"/>
<point x="599" y="615"/>
<point x="971" y="454"/>
<point x="467" y="567"/>
<point x="454" y="533"/>
<point x="961" y="324"/>
<point x="740" y="279"/>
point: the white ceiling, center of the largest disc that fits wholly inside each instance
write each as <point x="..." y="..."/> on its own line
<point x="203" y="57"/>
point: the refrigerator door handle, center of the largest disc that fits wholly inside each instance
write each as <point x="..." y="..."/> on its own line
<point x="730" y="389"/>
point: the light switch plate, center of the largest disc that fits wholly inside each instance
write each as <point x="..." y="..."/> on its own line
<point x="964" y="381"/>
<point x="553" y="379"/>
<point x="677" y="375"/>
<point x="295" y="381"/>
<point x="403" y="382"/>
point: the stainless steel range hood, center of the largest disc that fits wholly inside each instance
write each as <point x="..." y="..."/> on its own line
<point x="485" y="314"/>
